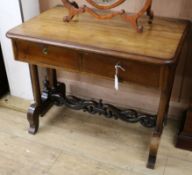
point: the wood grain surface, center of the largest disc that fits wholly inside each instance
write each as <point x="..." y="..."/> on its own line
<point x="131" y="94"/>
<point x="158" y="43"/>
<point x="78" y="144"/>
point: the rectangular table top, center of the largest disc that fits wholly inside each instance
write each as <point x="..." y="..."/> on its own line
<point x="159" y="42"/>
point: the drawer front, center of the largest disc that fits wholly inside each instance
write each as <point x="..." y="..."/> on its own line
<point x="136" y="72"/>
<point x="46" y="55"/>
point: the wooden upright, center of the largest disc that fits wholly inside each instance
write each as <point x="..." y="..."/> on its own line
<point x="91" y="46"/>
<point x="184" y="140"/>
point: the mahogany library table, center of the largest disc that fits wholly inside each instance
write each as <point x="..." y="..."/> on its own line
<point x="104" y="48"/>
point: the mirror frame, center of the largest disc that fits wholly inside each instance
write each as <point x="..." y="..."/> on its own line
<point x="74" y="10"/>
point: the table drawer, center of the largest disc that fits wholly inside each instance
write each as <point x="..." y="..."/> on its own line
<point x="47" y="55"/>
<point x="137" y="72"/>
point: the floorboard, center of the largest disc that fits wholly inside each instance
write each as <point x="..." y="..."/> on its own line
<point x="75" y="143"/>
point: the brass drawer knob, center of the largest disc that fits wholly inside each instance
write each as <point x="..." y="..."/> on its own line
<point x="45" y="51"/>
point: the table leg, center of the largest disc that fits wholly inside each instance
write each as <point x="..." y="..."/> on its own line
<point x="52" y="77"/>
<point x="49" y="84"/>
<point x="42" y="102"/>
<point x="34" y="110"/>
<point x="166" y="89"/>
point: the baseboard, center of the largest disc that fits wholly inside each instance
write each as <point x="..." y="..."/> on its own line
<point x="15" y="103"/>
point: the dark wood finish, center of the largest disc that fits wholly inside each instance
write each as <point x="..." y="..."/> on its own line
<point x="184" y="140"/>
<point x="59" y="97"/>
<point x="34" y="109"/>
<point x="167" y="79"/>
<point x="4" y="87"/>
<point x="59" y="57"/>
<point x="52" y="77"/>
<point x="93" y="47"/>
<point x="105" y="66"/>
<point x="42" y="103"/>
<point x="46" y="55"/>
<point x="115" y="39"/>
<point x="75" y="10"/>
<point x="35" y="83"/>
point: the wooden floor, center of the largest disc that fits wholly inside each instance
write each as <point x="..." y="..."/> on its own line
<point x="75" y="143"/>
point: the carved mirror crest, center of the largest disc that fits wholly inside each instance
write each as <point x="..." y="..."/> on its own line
<point x="74" y="10"/>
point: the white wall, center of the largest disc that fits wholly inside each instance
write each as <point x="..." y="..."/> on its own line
<point x="17" y="72"/>
<point x="30" y="8"/>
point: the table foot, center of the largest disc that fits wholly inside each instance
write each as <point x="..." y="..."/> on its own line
<point x="33" y="118"/>
<point x="154" y="146"/>
<point x="151" y="162"/>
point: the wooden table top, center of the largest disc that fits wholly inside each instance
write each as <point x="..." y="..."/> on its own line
<point x="159" y="43"/>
